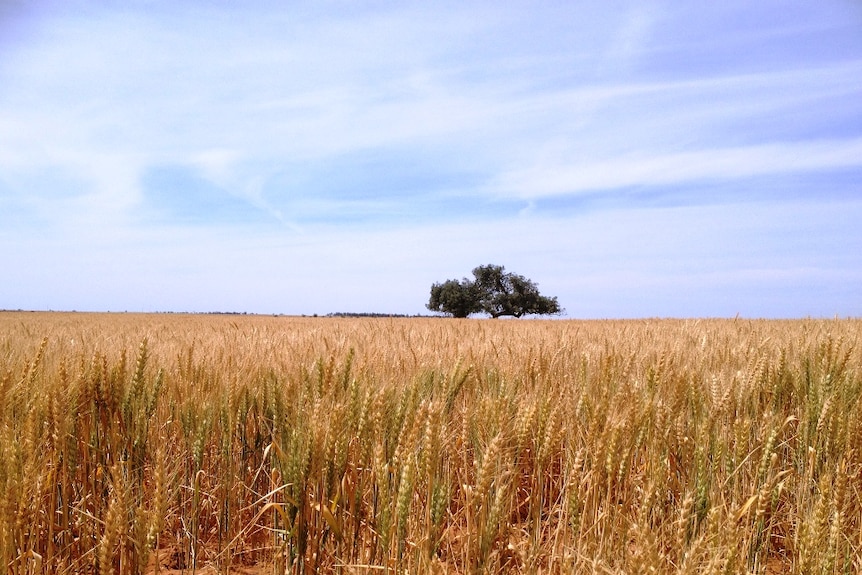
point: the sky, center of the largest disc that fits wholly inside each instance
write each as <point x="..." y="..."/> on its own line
<point x="634" y="159"/>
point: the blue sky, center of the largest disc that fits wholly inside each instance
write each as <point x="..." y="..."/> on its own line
<point x="635" y="159"/>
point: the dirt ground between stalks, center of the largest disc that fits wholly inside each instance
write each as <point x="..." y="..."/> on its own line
<point x="164" y="562"/>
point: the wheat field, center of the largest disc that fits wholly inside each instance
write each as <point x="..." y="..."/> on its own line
<point x="134" y="443"/>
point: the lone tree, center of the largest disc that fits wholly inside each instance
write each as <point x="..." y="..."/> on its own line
<point x="495" y="292"/>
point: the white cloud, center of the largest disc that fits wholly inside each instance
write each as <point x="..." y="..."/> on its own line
<point x="679" y="168"/>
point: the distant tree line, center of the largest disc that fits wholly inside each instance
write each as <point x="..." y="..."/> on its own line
<point x="371" y="314"/>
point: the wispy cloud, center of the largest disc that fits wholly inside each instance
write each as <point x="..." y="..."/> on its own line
<point x="642" y="169"/>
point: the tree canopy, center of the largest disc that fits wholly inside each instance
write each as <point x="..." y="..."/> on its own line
<point x="493" y="291"/>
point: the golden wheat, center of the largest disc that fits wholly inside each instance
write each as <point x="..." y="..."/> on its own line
<point x="163" y="443"/>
